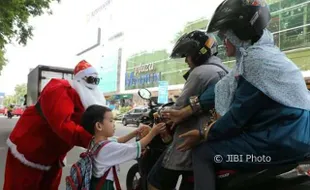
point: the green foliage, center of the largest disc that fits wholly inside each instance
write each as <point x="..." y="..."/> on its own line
<point x="8" y="100"/>
<point x="2" y="60"/>
<point x="123" y="110"/>
<point x="14" y="16"/>
<point x="20" y="90"/>
<point x="18" y="97"/>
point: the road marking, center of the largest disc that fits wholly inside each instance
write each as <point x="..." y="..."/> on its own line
<point x="3" y="148"/>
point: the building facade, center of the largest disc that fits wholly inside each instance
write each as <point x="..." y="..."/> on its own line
<point x="290" y="25"/>
<point x="123" y="73"/>
<point x="146" y="69"/>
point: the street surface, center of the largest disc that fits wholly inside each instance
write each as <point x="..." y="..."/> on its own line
<point x="6" y="126"/>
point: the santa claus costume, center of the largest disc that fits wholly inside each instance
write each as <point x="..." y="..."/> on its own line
<point x="46" y="132"/>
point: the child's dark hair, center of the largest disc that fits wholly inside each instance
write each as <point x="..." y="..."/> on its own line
<point x="92" y="115"/>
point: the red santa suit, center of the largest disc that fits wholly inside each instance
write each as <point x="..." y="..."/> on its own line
<point x="38" y="145"/>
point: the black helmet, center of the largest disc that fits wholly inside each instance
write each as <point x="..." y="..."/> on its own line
<point x="246" y="18"/>
<point x="197" y="44"/>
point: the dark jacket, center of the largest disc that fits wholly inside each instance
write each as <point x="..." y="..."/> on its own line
<point x="262" y="125"/>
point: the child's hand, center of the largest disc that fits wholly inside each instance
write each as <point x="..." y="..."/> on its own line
<point x="143" y="130"/>
<point x="158" y="128"/>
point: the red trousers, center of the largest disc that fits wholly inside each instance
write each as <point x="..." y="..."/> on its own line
<point x="21" y="177"/>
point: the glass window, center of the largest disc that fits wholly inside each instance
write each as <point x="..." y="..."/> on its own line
<point x="307" y="12"/>
<point x="138" y="111"/>
<point x="276" y="39"/>
<point x="296" y="38"/>
<point x="274" y="24"/>
<point x="292" y="18"/>
<point x="274" y="6"/>
<point x="290" y="3"/>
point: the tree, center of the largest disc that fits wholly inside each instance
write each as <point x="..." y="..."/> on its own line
<point x="8" y="100"/>
<point x="14" y="16"/>
<point x="20" y="90"/>
<point x="17" y="98"/>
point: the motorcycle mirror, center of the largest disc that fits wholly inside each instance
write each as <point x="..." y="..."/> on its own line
<point x="144" y="94"/>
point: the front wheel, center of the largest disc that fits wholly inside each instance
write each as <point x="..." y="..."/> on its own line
<point x="133" y="179"/>
<point x="124" y="122"/>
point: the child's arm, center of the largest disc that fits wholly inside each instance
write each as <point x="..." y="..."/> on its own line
<point x="133" y="134"/>
<point x="116" y="153"/>
<point x="154" y="132"/>
<point x="128" y="137"/>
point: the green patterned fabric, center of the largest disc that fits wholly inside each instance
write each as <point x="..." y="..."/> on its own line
<point x="108" y="185"/>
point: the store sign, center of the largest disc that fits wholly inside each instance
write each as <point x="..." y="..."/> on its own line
<point x="123" y="96"/>
<point x="141" y="80"/>
<point x="163" y="92"/>
<point x="99" y="9"/>
<point x="144" y="68"/>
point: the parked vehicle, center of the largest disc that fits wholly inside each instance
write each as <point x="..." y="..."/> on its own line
<point x="17" y="111"/>
<point x="40" y="76"/>
<point x="2" y="110"/>
<point x="132" y="116"/>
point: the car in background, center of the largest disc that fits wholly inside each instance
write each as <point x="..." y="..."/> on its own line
<point x="2" y="110"/>
<point x="132" y="116"/>
<point x="18" y="111"/>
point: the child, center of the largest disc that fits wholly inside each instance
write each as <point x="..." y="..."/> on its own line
<point x="98" y="121"/>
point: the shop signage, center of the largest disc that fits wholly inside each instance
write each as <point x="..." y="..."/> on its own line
<point x="141" y="80"/>
<point x="163" y="92"/>
<point x="98" y="9"/>
<point x="144" y="68"/>
<point x="123" y="96"/>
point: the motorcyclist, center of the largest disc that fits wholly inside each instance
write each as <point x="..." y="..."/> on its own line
<point x="263" y="102"/>
<point x="199" y="50"/>
<point x="10" y="110"/>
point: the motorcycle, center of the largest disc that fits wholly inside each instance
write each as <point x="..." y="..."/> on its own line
<point x="10" y="114"/>
<point x="283" y="177"/>
<point x="137" y="175"/>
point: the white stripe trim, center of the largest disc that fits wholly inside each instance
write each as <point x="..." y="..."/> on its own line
<point x="19" y="156"/>
<point x="86" y="72"/>
<point x="138" y="149"/>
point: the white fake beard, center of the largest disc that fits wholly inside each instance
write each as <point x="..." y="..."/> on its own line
<point x="89" y="94"/>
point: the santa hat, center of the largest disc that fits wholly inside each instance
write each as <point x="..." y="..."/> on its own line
<point x="82" y="69"/>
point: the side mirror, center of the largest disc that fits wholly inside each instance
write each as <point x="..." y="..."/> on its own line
<point x="145" y="94"/>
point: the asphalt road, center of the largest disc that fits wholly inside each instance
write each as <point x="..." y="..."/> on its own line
<point x="6" y="126"/>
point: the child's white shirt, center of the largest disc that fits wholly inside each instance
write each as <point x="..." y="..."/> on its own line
<point x="113" y="154"/>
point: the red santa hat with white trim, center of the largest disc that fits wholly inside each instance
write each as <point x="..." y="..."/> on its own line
<point x="83" y="69"/>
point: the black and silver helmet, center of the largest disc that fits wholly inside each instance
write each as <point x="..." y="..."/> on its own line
<point x="246" y="18"/>
<point x="197" y="44"/>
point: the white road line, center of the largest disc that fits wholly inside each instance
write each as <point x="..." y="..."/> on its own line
<point x="3" y="148"/>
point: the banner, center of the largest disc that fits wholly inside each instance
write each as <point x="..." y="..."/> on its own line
<point x="163" y="92"/>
